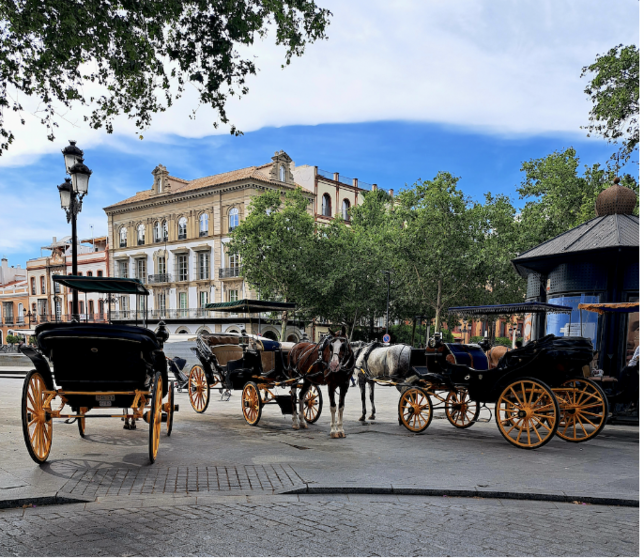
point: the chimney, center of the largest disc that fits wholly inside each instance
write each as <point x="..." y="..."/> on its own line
<point x="54" y="241"/>
<point x="391" y="192"/>
<point x="5" y="263"/>
<point x="374" y="187"/>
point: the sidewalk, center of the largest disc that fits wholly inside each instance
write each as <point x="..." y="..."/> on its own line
<point x="218" y="454"/>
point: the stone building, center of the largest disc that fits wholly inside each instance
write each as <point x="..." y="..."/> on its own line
<point x="14" y="299"/>
<point x="173" y="237"/>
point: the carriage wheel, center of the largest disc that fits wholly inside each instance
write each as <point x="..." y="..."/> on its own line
<point x="415" y="409"/>
<point x="198" y="389"/>
<point x="37" y="427"/>
<point x="156" y="414"/>
<point x="81" y="421"/>
<point x="527" y="413"/>
<point x="312" y="404"/>
<point x="460" y="409"/>
<point x="584" y="410"/>
<point x="251" y="402"/>
<point x="170" y="409"/>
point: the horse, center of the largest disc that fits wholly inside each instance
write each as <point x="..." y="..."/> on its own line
<point x="373" y="361"/>
<point x="329" y="362"/>
<point x="495" y="354"/>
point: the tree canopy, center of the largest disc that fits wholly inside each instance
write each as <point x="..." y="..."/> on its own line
<point x="142" y="53"/>
<point x="615" y="93"/>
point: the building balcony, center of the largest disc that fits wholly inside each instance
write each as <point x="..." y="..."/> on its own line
<point x="159" y="278"/>
<point x="229" y="272"/>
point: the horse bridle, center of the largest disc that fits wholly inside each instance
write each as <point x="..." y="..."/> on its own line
<point x="345" y="366"/>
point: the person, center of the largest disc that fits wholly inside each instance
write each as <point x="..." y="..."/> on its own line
<point x="635" y="359"/>
<point x="518" y="344"/>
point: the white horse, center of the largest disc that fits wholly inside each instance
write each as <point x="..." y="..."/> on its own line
<point x="374" y="361"/>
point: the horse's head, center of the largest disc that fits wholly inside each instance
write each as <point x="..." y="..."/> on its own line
<point x="337" y="351"/>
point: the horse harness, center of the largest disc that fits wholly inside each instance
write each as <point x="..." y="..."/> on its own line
<point x="321" y="345"/>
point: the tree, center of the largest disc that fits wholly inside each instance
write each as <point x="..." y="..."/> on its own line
<point x="276" y="244"/>
<point x="615" y="92"/>
<point x="141" y="53"/>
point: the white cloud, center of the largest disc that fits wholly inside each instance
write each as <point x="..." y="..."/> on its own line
<point x="508" y="66"/>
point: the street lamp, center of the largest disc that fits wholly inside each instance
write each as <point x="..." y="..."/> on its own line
<point x="72" y="192"/>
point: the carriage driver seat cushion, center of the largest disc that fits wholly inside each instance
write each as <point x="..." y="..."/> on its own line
<point x="224" y="353"/>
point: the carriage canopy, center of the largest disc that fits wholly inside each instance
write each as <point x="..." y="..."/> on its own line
<point x="111" y="285"/>
<point x="508" y="309"/>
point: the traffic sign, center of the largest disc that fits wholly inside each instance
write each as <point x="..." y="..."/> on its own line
<point x="386" y="338"/>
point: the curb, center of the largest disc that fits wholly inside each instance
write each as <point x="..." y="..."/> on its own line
<point x="39" y="501"/>
<point x="495" y="494"/>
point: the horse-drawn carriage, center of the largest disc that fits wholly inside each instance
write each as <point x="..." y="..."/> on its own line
<point x="255" y="365"/>
<point x="95" y="366"/>
<point x="539" y="391"/>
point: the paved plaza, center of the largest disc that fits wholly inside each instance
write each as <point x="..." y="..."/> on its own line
<point x="221" y="487"/>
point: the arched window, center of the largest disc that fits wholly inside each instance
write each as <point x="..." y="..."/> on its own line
<point x="165" y="230"/>
<point x="140" y="234"/>
<point x="326" y="205"/>
<point x="203" y="224"/>
<point x="345" y="209"/>
<point x="157" y="232"/>
<point x="233" y="219"/>
<point x="183" y="228"/>
<point x="123" y="237"/>
<point x="282" y="173"/>
<point x="42" y="285"/>
<point x="90" y="274"/>
<point x="33" y="285"/>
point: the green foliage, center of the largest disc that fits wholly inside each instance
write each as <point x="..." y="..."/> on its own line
<point x="615" y="91"/>
<point x="13" y="339"/>
<point x="141" y="54"/>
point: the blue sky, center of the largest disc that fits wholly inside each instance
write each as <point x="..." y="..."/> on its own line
<point x="399" y="92"/>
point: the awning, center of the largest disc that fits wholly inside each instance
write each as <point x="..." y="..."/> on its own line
<point x="25" y="332"/>
<point x="111" y="285"/>
<point x="508" y="309"/>
<point x="249" y="306"/>
<point x="611" y="307"/>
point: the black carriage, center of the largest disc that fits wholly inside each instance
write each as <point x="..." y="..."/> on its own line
<point x="539" y="390"/>
<point x="96" y="366"/>
<point x="250" y="363"/>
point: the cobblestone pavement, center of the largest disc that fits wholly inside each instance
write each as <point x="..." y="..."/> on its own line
<point x="320" y="526"/>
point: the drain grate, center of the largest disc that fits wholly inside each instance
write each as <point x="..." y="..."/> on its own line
<point x="180" y="480"/>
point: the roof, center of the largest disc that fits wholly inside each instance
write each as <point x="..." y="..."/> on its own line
<point x="179" y="186"/>
<point x="249" y="306"/>
<point x="600" y="233"/>
<point x="110" y="285"/>
<point x="508" y="309"/>
<point x="59" y="243"/>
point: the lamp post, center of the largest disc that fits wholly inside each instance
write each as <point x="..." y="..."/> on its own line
<point x="72" y="192"/>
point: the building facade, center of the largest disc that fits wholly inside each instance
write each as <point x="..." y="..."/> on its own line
<point x="173" y="237"/>
<point x="14" y="299"/>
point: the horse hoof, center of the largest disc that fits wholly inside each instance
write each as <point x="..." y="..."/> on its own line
<point x="296" y="427"/>
<point x="372" y="417"/>
<point x="304" y="425"/>
<point x="341" y="435"/>
<point x="361" y="419"/>
<point x="334" y="434"/>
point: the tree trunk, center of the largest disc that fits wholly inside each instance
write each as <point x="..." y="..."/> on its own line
<point x="284" y="324"/>
<point x="370" y="328"/>
<point x="353" y="325"/>
<point x="413" y="334"/>
<point x="438" y="309"/>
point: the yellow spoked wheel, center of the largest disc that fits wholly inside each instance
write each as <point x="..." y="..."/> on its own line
<point x="527" y="413"/>
<point x="460" y="409"/>
<point x="415" y="409"/>
<point x="584" y="410"/>
<point x="169" y="409"/>
<point x="198" y="389"/>
<point x="37" y="427"/>
<point x="81" y="421"/>
<point x="156" y="414"/>
<point x="312" y="404"/>
<point x="251" y="403"/>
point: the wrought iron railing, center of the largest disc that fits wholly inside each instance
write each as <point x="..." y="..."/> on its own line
<point x="326" y="174"/>
<point x="345" y="180"/>
<point x="160" y="278"/>
<point x="227" y="272"/>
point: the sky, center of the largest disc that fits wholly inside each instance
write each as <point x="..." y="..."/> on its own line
<point x="399" y="91"/>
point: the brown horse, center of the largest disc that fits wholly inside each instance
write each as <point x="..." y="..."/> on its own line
<point x="329" y="362"/>
<point x="495" y="354"/>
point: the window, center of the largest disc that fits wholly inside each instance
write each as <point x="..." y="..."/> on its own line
<point x="158" y="235"/>
<point x="233" y="296"/>
<point x="123" y="238"/>
<point x="183" y="228"/>
<point x="124" y="303"/>
<point x="165" y="230"/>
<point x="203" y="224"/>
<point x="58" y="309"/>
<point x="282" y="173"/>
<point x="122" y="272"/>
<point x="567" y="325"/>
<point x="182" y="267"/>
<point x="233" y="219"/>
<point x="43" y="290"/>
<point x="161" y="265"/>
<point x="161" y="303"/>
<point x="183" y="304"/>
<point x="99" y="273"/>
<point x="140" y="234"/>
<point x="204" y="265"/>
<point x="233" y="261"/>
<point x="33" y="285"/>
<point x="141" y="268"/>
<point x="326" y="205"/>
<point x="42" y="307"/>
<point x="90" y="274"/>
<point x="56" y="287"/>
<point x="203" y="299"/>
<point x="345" y="209"/>
<point x="101" y="309"/>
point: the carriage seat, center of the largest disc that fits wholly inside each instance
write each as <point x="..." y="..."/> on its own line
<point x="225" y="353"/>
<point x="214" y="340"/>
